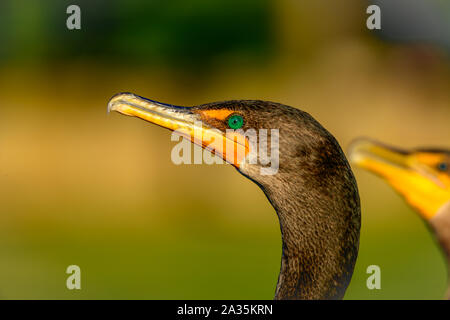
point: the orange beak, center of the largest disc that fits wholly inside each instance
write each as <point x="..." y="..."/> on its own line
<point x="232" y="147"/>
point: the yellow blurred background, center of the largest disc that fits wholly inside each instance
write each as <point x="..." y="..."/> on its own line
<point x="79" y="186"/>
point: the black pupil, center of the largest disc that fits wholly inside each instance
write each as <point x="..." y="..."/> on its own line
<point x="443" y="166"/>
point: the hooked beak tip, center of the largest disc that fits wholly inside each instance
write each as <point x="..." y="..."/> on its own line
<point x="116" y="99"/>
<point x="357" y="149"/>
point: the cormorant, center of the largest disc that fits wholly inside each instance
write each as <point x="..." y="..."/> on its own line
<point x="421" y="176"/>
<point x="313" y="192"/>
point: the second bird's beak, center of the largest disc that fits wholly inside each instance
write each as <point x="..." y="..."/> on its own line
<point x="378" y="158"/>
<point x="230" y="147"/>
<point x="403" y="172"/>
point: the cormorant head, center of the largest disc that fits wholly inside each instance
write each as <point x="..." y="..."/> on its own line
<point x="421" y="176"/>
<point x="268" y="142"/>
<point x="300" y="167"/>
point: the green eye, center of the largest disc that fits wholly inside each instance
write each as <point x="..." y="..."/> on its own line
<point x="442" y="166"/>
<point x="235" y="122"/>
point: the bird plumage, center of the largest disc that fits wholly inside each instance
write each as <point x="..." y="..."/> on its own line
<point x="313" y="192"/>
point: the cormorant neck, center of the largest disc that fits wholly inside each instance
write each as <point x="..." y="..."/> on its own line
<point x="441" y="224"/>
<point x="320" y="235"/>
<point x="316" y="199"/>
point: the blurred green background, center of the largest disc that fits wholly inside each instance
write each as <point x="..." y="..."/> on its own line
<point x="78" y="186"/>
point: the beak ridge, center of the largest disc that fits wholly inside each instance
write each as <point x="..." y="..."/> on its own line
<point x="364" y="149"/>
<point x="187" y="124"/>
